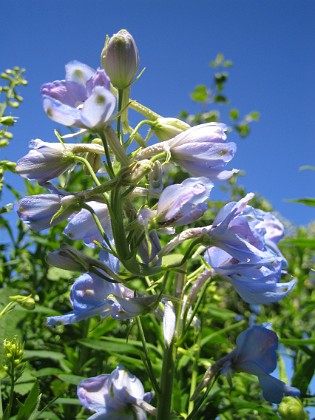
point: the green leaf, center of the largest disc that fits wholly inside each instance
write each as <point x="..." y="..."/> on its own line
<point x="234" y="114"/>
<point x="297" y="341"/>
<point x="307" y="167"/>
<point x="200" y="94"/>
<point x="308" y="243"/>
<point x="303" y="374"/>
<point x="220" y="99"/>
<point x="43" y="354"/>
<point x="71" y="379"/>
<point x="307" y="201"/>
<point x="29" y="408"/>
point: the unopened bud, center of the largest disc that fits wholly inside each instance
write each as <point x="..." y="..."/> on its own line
<point x="167" y="128"/>
<point x="136" y="171"/>
<point x="120" y="59"/>
<point x="7" y="120"/>
<point x="27" y="302"/>
<point x="95" y="161"/>
<point x="291" y="409"/>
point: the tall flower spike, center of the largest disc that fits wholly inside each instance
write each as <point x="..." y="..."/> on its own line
<point x="83" y="100"/>
<point x="117" y="396"/>
<point x="255" y="353"/>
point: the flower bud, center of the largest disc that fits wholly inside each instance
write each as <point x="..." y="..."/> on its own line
<point x="120" y="59"/>
<point x="167" y="128"/>
<point x="291" y="408"/>
<point x="27" y="302"/>
<point x="133" y="173"/>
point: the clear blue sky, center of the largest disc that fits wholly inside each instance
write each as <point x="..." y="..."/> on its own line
<point x="270" y="42"/>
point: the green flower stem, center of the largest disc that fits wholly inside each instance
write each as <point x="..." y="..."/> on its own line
<point x="89" y="168"/>
<point x="147" y="360"/>
<point x="118" y="228"/>
<point x="164" y="407"/>
<point x="108" y="166"/>
<point x="134" y="133"/>
<point x="124" y="110"/>
<point x="194" y="374"/>
<point x="120" y="101"/>
<point x="111" y="138"/>
<point x="167" y="378"/>
<point x="8" y="308"/>
<point x="8" y="410"/>
<point x="143" y="110"/>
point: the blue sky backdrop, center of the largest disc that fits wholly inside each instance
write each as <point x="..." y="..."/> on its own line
<point x="270" y="43"/>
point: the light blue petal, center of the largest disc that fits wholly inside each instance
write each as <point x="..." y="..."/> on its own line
<point x="78" y="72"/>
<point x="98" y="108"/>
<point x="61" y="113"/>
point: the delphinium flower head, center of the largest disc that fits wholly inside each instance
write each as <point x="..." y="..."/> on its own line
<point x="255" y="353"/>
<point x="120" y="59"/>
<point x="117" y="396"/>
<point x="82" y="100"/>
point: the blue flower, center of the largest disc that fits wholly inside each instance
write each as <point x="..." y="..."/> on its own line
<point x="118" y="396"/>
<point x="203" y="151"/>
<point x="82" y="225"/>
<point x="181" y="204"/>
<point x="46" y="161"/>
<point x="255" y="353"/>
<point x="256" y="283"/>
<point x="245" y="232"/>
<point x="91" y="295"/>
<point x="45" y="210"/>
<point x="83" y="100"/>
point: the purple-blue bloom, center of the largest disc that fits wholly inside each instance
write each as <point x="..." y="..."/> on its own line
<point x="82" y="225"/>
<point x="256" y="283"/>
<point x="244" y="232"/>
<point x="83" y="100"/>
<point x="181" y="204"/>
<point x="91" y="295"/>
<point x="38" y="211"/>
<point x="203" y="151"/>
<point x="46" y="161"/>
<point x="117" y="396"/>
<point x="255" y="353"/>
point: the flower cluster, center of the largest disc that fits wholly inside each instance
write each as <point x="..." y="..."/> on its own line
<point x="128" y="210"/>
